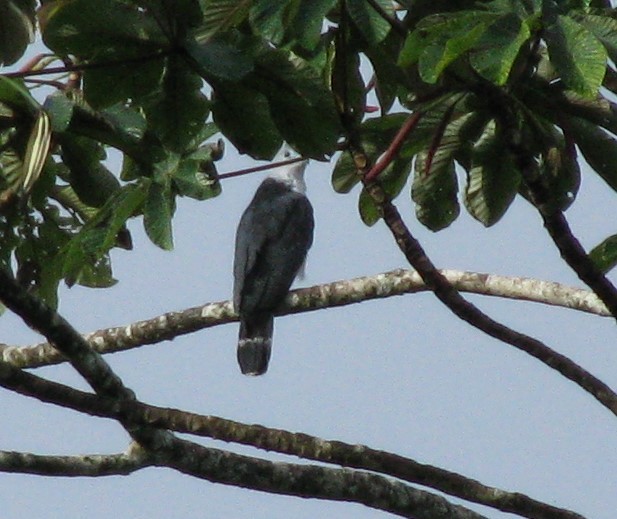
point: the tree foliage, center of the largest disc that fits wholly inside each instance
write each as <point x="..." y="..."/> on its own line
<point x="161" y="81"/>
<point x="492" y="99"/>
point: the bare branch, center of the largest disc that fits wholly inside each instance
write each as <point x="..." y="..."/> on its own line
<point x="91" y="465"/>
<point x="313" y="481"/>
<point x="570" y="248"/>
<point x="87" y="362"/>
<point x="469" y="313"/>
<point x="338" y="293"/>
<point x="284" y="442"/>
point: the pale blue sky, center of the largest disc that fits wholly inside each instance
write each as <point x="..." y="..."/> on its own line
<point x="402" y="374"/>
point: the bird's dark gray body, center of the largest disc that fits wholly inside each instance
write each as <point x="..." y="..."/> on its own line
<point x="272" y="240"/>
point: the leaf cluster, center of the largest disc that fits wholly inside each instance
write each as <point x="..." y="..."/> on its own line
<point x="500" y="87"/>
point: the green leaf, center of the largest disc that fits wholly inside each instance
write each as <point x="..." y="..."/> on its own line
<point x="93" y="183"/>
<point x="269" y="18"/>
<point x="493" y="180"/>
<point x="128" y="121"/>
<point x="158" y="212"/>
<point x="195" y="181"/>
<point x="300" y="104"/>
<point x="308" y="21"/>
<point x="112" y="84"/>
<point x="604" y="28"/>
<point x="577" y="55"/>
<point x="60" y="110"/>
<point x="37" y="149"/>
<point x="16" y="29"/>
<point x="218" y="59"/>
<point x="122" y="205"/>
<point x="89" y="28"/>
<point x="604" y="255"/>
<point x="14" y="94"/>
<point x="499" y="46"/>
<point x="97" y="274"/>
<point x="439" y="54"/>
<point x="175" y="17"/>
<point x="369" y="22"/>
<point x="434" y="188"/>
<point x="375" y="135"/>
<point x="598" y="148"/>
<point x="347" y="83"/>
<point x="243" y="115"/>
<point x="369" y="212"/>
<point x="178" y="113"/>
<point x="222" y="15"/>
<point x="415" y="43"/>
<point x="389" y="78"/>
<point x="435" y="194"/>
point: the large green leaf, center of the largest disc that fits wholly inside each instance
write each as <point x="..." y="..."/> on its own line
<point x="106" y="86"/>
<point x="300" y="104"/>
<point x="219" y="59"/>
<point x="604" y="28"/>
<point x="60" y="110"/>
<point x="243" y="115"/>
<point x="435" y="195"/>
<point x="493" y="180"/>
<point x="439" y="53"/>
<point x="435" y="186"/>
<point x="14" y="94"/>
<point x="499" y="46"/>
<point x="371" y="24"/>
<point x="576" y="54"/>
<point x="16" y="29"/>
<point x="439" y="40"/>
<point x="222" y="15"/>
<point x="269" y="18"/>
<point x="604" y="255"/>
<point x="88" y="28"/>
<point x="598" y="148"/>
<point x="91" y="180"/>
<point x="158" y="212"/>
<point x="178" y="113"/>
<point x="308" y="21"/>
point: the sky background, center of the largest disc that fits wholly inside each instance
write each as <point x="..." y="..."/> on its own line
<point x="402" y="374"/>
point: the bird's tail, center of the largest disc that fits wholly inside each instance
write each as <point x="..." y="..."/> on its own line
<point x="255" y="344"/>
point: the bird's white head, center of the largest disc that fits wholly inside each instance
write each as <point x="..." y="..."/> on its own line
<point x="292" y="175"/>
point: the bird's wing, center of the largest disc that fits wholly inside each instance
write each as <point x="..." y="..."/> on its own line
<point x="271" y="244"/>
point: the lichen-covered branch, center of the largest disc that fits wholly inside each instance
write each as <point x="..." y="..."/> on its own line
<point x="338" y="293"/>
<point x="87" y="362"/>
<point x="310" y="481"/>
<point x="91" y="465"/>
<point x="280" y="441"/>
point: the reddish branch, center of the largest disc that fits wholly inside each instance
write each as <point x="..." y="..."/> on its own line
<point x="462" y="308"/>
<point x="395" y="146"/>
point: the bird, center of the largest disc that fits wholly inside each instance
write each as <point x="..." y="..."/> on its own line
<point x="273" y="238"/>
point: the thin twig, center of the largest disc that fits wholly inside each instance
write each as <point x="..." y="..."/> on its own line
<point x="264" y="167"/>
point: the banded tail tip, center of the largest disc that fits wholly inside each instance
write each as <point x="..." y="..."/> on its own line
<point x="254" y="355"/>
